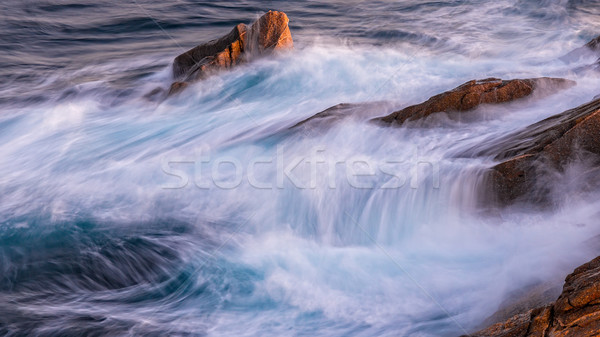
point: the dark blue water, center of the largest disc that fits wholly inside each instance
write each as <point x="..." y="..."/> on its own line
<point x="108" y="228"/>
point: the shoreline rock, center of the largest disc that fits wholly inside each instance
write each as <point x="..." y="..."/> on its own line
<point x="472" y="94"/>
<point x="530" y="156"/>
<point x="576" y="312"/>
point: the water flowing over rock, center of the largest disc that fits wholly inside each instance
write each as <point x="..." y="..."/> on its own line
<point x="269" y="33"/>
<point x="576" y="312"/>
<point x="531" y="155"/>
<point x="594" y="44"/>
<point x="470" y="95"/>
<point x="590" y="48"/>
<point x="332" y="115"/>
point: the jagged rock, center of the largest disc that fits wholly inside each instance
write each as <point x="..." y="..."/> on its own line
<point x="470" y="95"/>
<point x="547" y="146"/>
<point x="576" y="312"/>
<point x="269" y="33"/>
<point x="222" y="53"/>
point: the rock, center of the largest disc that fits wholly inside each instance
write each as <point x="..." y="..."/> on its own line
<point x="522" y="300"/>
<point x="589" y="49"/>
<point x="532" y="154"/>
<point x="474" y="93"/>
<point x="177" y="87"/>
<point x="217" y="54"/>
<point x="269" y="33"/>
<point x="335" y="113"/>
<point x="156" y="95"/>
<point x="576" y="312"/>
<point x="594" y="44"/>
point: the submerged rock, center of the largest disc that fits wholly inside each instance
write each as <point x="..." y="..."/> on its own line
<point x="470" y="95"/>
<point x="532" y="154"/>
<point x="269" y="33"/>
<point x="330" y="116"/>
<point x="576" y="312"/>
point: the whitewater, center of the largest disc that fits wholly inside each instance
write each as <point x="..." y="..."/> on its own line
<point x="123" y="216"/>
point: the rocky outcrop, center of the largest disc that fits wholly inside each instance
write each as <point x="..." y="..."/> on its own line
<point x="474" y="93"/>
<point x="576" y="312"/>
<point x="217" y="54"/>
<point x="269" y="33"/>
<point x="531" y="155"/>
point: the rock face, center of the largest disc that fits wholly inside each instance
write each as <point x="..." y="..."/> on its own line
<point x="547" y="146"/>
<point x="576" y="312"/>
<point x="474" y="93"/>
<point x="222" y="53"/>
<point x="267" y="34"/>
<point x="270" y="32"/>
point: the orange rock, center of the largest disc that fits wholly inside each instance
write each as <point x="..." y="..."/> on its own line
<point x="576" y="312"/>
<point x="474" y="93"/>
<point x="269" y="33"/>
<point x="222" y="53"/>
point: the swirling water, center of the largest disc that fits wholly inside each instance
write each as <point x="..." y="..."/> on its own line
<point x="110" y="225"/>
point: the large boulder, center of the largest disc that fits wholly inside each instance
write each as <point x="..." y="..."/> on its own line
<point x="576" y="312"/>
<point x="470" y="95"/>
<point x="269" y="33"/>
<point x="531" y="156"/>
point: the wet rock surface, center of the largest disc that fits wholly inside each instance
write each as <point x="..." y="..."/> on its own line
<point x="472" y="94"/>
<point x="269" y="33"/>
<point x="576" y="312"/>
<point x="222" y="53"/>
<point x="530" y="156"/>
